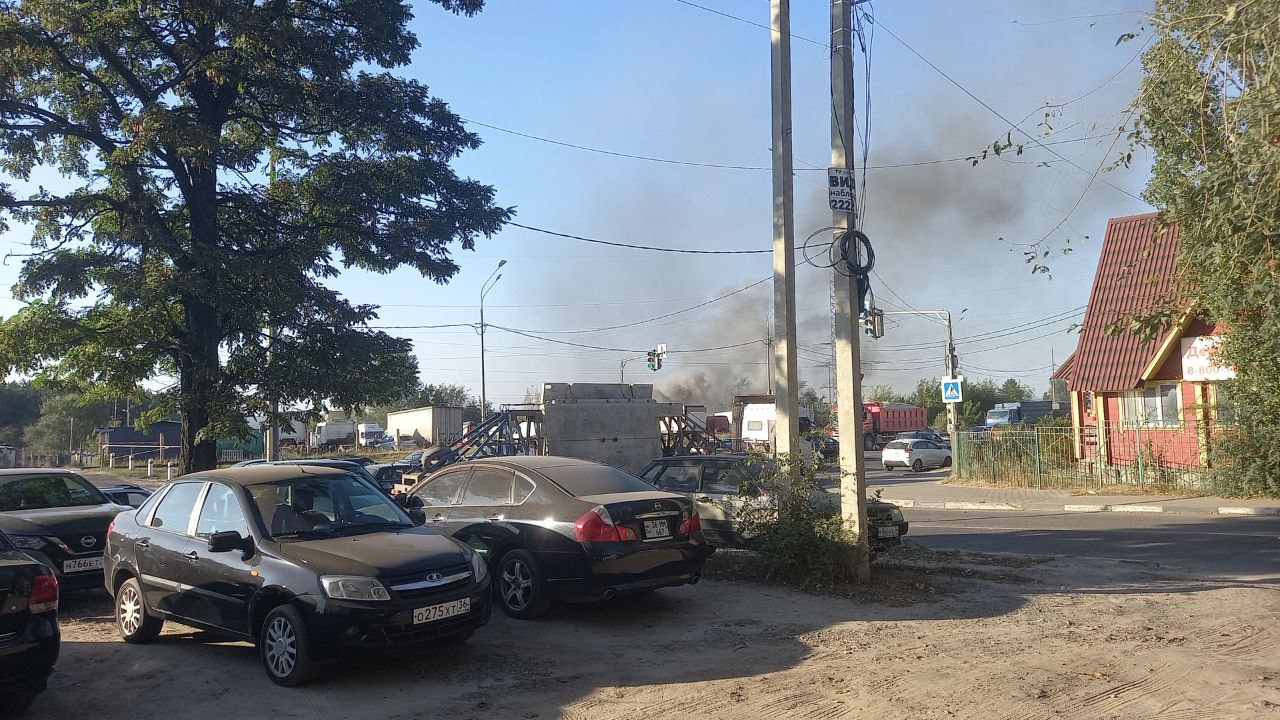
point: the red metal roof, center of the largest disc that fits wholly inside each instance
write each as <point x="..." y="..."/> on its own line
<point x="1137" y="273"/>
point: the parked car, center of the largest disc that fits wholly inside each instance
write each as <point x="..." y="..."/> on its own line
<point x="831" y="448"/>
<point x="714" y="483"/>
<point x="926" y="434"/>
<point x="29" y="639"/>
<point x="564" y="529"/>
<point x="915" y="454"/>
<point x="379" y="475"/>
<point x="58" y="518"/>
<point x="306" y="561"/>
<point x="127" y="495"/>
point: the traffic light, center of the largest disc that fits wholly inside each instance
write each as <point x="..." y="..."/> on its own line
<point x="872" y="322"/>
<point x="653" y="360"/>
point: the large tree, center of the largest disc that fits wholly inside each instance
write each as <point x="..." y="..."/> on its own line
<point x="163" y="250"/>
<point x="1210" y="109"/>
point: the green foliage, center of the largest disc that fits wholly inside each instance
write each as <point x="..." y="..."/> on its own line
<point x="884" y="394"/>
<point x="787" y="518"/>
<point x="55" y="431"/>
<point x="432" y="395"/>
<point x="1210" y="106"/>
<point x="19" y="407"/>
<point x="163" y="251"/>
<point x="819" y="412"/>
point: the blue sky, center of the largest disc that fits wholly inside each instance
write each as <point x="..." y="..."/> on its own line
<point x="665" y="79"/>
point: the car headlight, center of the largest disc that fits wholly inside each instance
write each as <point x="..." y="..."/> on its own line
<point x="353" y="588"/>
<point x="896" y="515"/>
<point x="28" y="542"/>
<point x="479" y="566"/>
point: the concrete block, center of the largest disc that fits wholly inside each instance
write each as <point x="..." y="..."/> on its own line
<point x="899" y="503"/>
<point x="980" y="506"/>
<point x="1249" y="511"/>
<point x="1137" y="508"/>
<point x="1084" y="508"/>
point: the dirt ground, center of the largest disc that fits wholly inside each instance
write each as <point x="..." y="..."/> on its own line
<point x="940" y="635"/>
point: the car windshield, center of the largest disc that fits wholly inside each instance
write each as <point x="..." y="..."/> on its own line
<point x="584" y="480"/>
<point x="897" y="445"/>
<point x="998" y="415"/>
<point x="30" y="492"/>
<point x="314" y="505"/>
<point x="412" y="457"/>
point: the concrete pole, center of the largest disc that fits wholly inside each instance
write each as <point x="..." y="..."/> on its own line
<point x="853" y="471"/>
<point x="952" y="371"/>
<point x="785" y="376"/>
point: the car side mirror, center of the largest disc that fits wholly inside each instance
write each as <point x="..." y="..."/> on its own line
<point x="228" y="541"/>
<point x="412" y="502"/>
<point x="418" y="516"/>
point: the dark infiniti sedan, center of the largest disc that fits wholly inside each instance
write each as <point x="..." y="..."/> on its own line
<point x="58" y="518"/>
<point x="556" y="528"/>
<point x="305" y="561"/>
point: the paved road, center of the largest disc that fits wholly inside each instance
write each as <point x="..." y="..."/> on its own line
<point x="1243" y="548"/>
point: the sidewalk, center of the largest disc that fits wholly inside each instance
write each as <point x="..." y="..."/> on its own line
<point x="931" y="492"/>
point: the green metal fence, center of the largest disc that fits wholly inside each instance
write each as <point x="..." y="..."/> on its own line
<point x="1112" y="459"/>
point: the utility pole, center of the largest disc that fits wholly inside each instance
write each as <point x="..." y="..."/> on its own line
<point x="853" y="470"/>
<point x="271" y="436"/>
<point x="786" y="384"/>
<point x="950" y="363"/>
<point x="484" y="290"/>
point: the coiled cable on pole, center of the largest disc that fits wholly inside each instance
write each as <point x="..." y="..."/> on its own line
<point x="856" y="259"/>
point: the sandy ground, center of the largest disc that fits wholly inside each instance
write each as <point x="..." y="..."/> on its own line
<point x="940" y="635"/>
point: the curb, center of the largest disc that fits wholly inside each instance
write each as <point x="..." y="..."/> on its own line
<point x="1085" y="508"/>
<point x="958" y="505"/>
<point x="1136" y="508"/>
<point x="1249" y="511"/>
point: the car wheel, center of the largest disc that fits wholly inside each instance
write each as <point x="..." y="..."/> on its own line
<point x="457" y="638"/>
<point x="519" y="586"/>
<point x="285" y="647"/>
<point x="888" y="467"/>
<point x="917" y="466"/>
<point x="868" y="442"/>
<point x="947" y="462"/>
<point x="137" y="625"/>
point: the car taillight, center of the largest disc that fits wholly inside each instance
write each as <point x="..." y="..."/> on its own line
<point x="596" y="525"/>
<point x="907" y="450"/>
<point x="691" y="525"/>
<point x="44" y="594"/>
<point x="111" y="526"/>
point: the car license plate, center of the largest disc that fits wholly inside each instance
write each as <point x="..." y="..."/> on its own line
<point x="443" y="611"/>
<point x="887" y="531"/>
<point x="82" y="564"/>
<point x="656" y="529"/>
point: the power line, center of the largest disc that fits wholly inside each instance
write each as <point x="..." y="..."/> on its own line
<point x="614" y="349"/>
<point x="995" y="112"/>
<point x="639" y="247"/>
<point x="770" y="28"/>
<point x="667" y="315"/>
<point x="614" y="153"/>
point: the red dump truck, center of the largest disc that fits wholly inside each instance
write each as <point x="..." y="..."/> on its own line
<point x="882" y="421"/>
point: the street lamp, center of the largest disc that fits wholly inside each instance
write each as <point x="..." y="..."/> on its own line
<point x="494" y="277"/>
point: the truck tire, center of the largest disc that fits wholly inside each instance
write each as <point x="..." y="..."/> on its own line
<point x="868" y="442"/>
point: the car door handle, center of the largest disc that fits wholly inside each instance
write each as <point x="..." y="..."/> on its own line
<point x="494" y="517"/>
<point x="142" y="544"/>
<point x="437" y="518"/>
<point x="192" y="556"/>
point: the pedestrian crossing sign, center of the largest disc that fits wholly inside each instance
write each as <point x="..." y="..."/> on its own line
<point x="951" y="390"/>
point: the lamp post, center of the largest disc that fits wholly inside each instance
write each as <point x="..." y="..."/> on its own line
<point x="494" y="277"/>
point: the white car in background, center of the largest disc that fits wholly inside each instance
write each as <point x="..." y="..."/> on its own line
<point x="915" y="454"/>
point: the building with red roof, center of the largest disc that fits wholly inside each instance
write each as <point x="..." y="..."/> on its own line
<point x="1136" y="401"/>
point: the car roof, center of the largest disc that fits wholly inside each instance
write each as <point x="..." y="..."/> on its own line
<point x="40" y="471"/>
<point x="536" y="462"/>
<point x="122" y="487"/>
<point x="255" y="474"/>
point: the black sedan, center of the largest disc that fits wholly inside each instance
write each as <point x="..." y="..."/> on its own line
<point x="28" y="627"/>
<point x="58" y="518"/>
<point x="305" y="561"/>
<point x="557" y="528"/>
